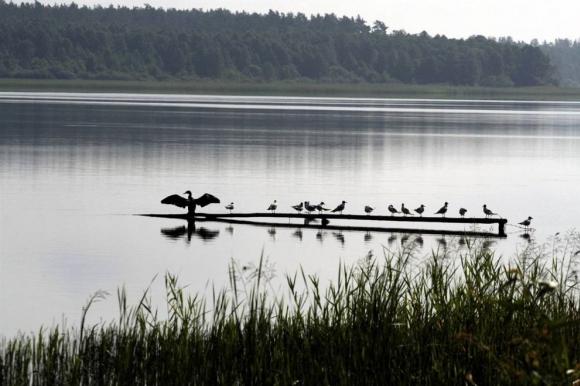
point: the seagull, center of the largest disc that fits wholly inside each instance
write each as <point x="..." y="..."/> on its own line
<point x="273" y="207"/>
<point x="368" y="209"/>
<point x="487" y="211"/>
<point x="309" y="208"/>
<point x="405" y="211"/>
<point x="230" y="207"/>
<point x="392" y="210"/>
<point x="462" y="212"/>
<point x="339" y="208"/>
<point x="190" y="202"/>
<point x="420" y="210"/>
<point x="298" y="207"/>
<point x="320" y="207"/>
<point x="443" y="209"/>
<point x="526" y="223"/>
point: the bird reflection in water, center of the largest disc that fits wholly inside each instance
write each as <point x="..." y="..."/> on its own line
<point x="487" y="244"/>
<point x="272" y="233"/>
<point x="392" y="238"/>
<point x="442" y="242"/>
<point x="339" y="236"/>
<point x="404" y="239"/>
<point x="320" y="235"/>
<point x="368" y="237"/>
<point x="298" y="234"/>
<point x="230" y="229"/>
<point x="526" y="236"/>
<point x="188" y="231"/>
<point x="419" y="241"/>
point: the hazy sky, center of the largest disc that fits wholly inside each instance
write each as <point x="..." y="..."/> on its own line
<point x="521" y="19"/>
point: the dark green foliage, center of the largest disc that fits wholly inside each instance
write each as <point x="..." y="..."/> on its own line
<point x="454" y="319"/>
<point x="565" y="56"/>
<point x="68" y="41"/>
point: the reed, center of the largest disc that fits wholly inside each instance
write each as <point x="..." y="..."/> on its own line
<point x="457" y="318"/>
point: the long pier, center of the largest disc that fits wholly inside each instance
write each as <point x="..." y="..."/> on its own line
<point x="240" y="218"/>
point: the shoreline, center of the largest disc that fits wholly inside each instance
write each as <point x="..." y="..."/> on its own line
<point x="307" y="89"/>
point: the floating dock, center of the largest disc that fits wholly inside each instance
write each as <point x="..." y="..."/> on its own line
<point x="244" y="218"/>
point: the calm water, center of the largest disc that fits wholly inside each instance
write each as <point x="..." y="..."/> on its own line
<point x="74" y="168"/>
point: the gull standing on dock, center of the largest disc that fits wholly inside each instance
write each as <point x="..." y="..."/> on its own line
<point x="339" y="208"/>
<point x="462" y="212"/>
<point x="405" y="211"/>
<point x="230" y="207"/>
<point x="443" y="209"/>
<point x="420" y="210"/>
<point x="298" y="208"/>
<point x="309" y="208"/>
<point x="526" y="223"/>
<point x="320" y="207"/>
<point x="488" y="211"/>
<point x="393" y="210"/>
<point x="273" y="207"/>
<point x="368" y="209"/>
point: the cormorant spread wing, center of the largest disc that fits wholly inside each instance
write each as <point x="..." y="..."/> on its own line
<point x="176" y="200"/>
<point x="206" y="199"/>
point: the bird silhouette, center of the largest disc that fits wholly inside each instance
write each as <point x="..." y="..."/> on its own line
<point x="526" y="223"/>
<point x="298" y="208"/>
<point x="488" y="212"/>
<point x="273" y="207"/>
<point x="392" y="210"/>
<point x="368" y="209"/>
<point x="462" y="212"/>
<point x="405" y="211"/>
<point x="309" y="208"/>
<point x="443" y="209"/>
<point x="420" y="210"/>
<point x="320" y="207"/>
<point x="190" y="203"/>
<point x="339" y="208"/>
<point x="230" y="207"/>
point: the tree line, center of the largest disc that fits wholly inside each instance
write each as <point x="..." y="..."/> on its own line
<point x="72" y="42"/>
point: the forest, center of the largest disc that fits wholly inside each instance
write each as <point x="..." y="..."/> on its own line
<point x="143" y="43"/>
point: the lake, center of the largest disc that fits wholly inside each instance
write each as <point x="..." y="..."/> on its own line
<point x="75" y="168"/>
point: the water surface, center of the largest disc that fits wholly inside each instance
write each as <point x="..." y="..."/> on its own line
<point x="74" y="168"/>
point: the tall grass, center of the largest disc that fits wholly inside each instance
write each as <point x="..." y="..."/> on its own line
<point x="456" y="319"/>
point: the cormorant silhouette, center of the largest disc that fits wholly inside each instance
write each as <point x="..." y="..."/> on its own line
<point x="190" y="202"/>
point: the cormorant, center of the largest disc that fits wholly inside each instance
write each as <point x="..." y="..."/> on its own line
<point x="190" y="202"/>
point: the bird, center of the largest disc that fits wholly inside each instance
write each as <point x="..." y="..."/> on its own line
<point x="230" y="207"/>
<point x="190" y="202"/>
<point x="462" y="212"/>
<point x="526" y="223"/>
<point x="488" y="211"/>
<point x="368" y="209"/>
<point x="443" y="209"/>
<point x="420" y="210"/>
<point x="405" y="211"/>
<point x="273" y="207"/>
<point x="320" y="207"/>
<point x="309" y="208"/>
<point x="392" y="210"/>
<point x="339" y="208"/>
<point x="298" y="207"/>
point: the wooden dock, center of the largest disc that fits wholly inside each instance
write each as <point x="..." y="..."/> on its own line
<point x="243" y="218"/>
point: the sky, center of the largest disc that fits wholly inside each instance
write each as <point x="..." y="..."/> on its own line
<point x="521" y="19"/>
